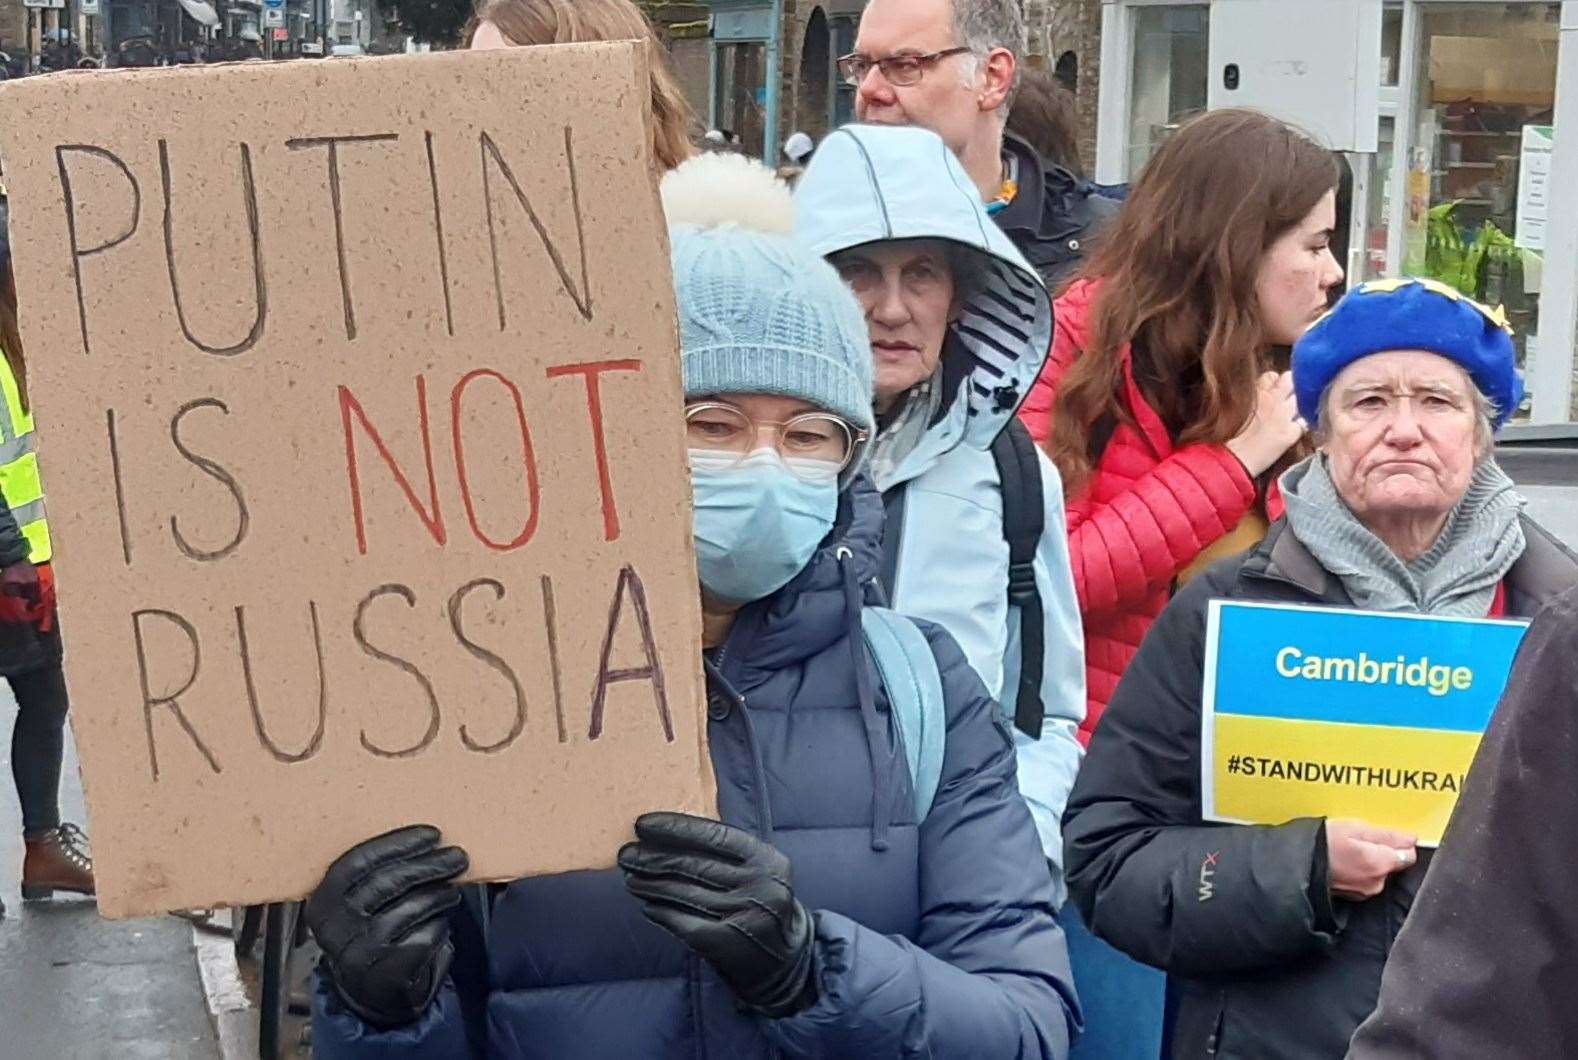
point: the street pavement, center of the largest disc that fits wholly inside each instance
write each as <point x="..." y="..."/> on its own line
<point x="1548" y="477"/>
<point x="76" y="987"/>
<point x="1556" y="509"/>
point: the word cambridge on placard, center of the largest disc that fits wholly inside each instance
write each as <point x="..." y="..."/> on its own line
<point x="1320" y="712"/>
<point x="361" y="424"/>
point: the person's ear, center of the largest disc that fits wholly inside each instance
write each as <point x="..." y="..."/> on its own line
<point x="999" y="69"/>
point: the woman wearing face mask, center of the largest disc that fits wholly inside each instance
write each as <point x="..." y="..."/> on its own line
<point x="958" y="324"/>
<point x="827" y="914"/>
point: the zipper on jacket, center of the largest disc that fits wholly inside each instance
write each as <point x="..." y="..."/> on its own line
<point x="698" y="1004"/>
<point x="1213" y="1042"/>
<point x="722" y="699"/>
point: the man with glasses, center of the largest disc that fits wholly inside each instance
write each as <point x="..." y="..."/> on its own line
<point x="952" y="67"/>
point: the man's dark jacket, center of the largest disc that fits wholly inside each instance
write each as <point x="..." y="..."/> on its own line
<point x="1267" y="964"/>
<point x="1055" y="215"/>
<point x="1486" y="964"/>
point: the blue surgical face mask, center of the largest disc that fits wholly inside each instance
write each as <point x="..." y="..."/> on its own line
<point x="757" y="523"/>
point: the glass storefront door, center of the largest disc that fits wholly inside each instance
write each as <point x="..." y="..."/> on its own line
<point x="1170" y="71"/>
<point x="1475" y="197"/>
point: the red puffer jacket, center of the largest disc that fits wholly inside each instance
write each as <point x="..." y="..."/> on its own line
<point x="1147" y="511"/>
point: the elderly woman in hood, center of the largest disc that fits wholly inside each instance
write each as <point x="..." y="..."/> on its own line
<point x="1401" y="510"/>
<point x="959" y="325"/>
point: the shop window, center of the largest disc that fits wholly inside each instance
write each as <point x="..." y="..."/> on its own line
<point x="1067" y="71"/>
<point x="1480" y="160"/>
<point x="1170" y="74"/>
<point x="741" y="94"/>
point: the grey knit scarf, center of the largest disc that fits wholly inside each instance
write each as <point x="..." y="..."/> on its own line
<point x="1457" y="576"/>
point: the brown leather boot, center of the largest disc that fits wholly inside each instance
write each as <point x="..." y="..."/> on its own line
<point x="57" y="861"/>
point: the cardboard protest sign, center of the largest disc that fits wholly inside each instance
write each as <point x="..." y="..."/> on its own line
<point x="1321" y="712"/>
<point x="360" y="420"/>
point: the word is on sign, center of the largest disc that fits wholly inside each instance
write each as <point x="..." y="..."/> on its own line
<point x="1321" y="712"/>
<point x="360" y="425"/>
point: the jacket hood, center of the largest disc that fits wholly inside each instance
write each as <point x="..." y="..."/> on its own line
<point x="876" y="184"/>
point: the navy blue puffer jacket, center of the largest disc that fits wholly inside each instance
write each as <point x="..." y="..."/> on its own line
<point x="936" y="940"/>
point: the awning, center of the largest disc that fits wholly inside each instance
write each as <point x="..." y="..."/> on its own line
<point x="247" y="33"/>
<point x="201" y="11"/>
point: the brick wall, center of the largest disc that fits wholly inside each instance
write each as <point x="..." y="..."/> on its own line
<point x="1075" y="25"/>
<point x="796" y="14"/>
<point x="682" y="26"/>
<point x="691" y="60"/>
<point x="13" y="28"/>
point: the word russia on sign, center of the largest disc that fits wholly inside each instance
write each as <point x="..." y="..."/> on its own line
<point x="1320" y="712"/>
<point x="366" y="467"/>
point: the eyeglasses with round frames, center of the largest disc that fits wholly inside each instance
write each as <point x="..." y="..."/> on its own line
<point x="813" y="444"/>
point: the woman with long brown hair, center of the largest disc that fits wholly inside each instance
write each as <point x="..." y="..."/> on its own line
<point x="1166" y="407"/>
<point x="513" y="23"/>
<point x="1165" y="403"/>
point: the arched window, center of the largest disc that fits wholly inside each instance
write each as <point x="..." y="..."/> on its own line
<point x="1067" y="71"/>
<point x="816" y="77"/>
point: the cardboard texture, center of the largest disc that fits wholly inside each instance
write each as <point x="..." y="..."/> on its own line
<point x="360" y="424"/>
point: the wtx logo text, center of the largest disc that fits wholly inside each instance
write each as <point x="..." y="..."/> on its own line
<point x="1207" y="875"/>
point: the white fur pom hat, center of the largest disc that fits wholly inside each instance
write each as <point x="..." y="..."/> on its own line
<point x="759" y="313"/>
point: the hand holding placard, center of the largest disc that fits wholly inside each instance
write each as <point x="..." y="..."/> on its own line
<point x="1360" y="857"/>
<point x="381" y="916"/>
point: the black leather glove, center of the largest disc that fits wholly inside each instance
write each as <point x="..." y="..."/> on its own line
<point x="381" y="918"/>
<point x="726" y="895"/>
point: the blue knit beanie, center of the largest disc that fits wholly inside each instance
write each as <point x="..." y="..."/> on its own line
<point x="1409" y="314"/>
<point x="758" y="313"/>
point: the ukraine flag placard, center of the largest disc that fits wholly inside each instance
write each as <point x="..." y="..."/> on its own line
<point x="1321" y="712"/>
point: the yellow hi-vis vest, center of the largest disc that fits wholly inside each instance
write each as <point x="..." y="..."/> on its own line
<point x="19" y="482"/>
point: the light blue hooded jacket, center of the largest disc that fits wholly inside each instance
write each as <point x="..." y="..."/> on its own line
<point x="872" y="184"/>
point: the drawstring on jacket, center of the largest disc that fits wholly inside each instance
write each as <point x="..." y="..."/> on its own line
<point x="882" y="778"/>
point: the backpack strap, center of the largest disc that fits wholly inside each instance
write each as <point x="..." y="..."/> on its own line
<point x="894" y="503"/>
<point x="909" y="673"/>
<point x="1024" y="521"/>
